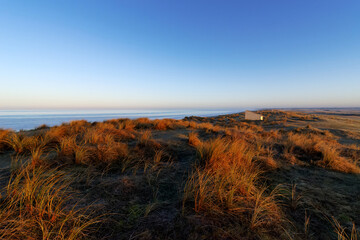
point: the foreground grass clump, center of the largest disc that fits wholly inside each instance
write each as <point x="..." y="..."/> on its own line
<point x="34" y="205"/>
<point x="225" y="188"/>
<point x="343" y="233"/>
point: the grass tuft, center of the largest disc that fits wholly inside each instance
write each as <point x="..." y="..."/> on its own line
<point x="225" y="188"/>
<point x="194" y="139"/>
<point x="35" y="207"/>
<point x="4" y="135"/>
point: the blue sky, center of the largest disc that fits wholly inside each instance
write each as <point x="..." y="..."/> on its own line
<point x="179" y="54"/>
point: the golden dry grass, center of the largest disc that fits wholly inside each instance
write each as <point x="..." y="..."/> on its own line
<point x="323" y="146"/>
<point x="66" y="149"/>
<point x="38" y="157"/>
<point x="145" y="137"/>
<point x="225" y="187"/>
<point x="35" y="207"/>
<point x="83" y="154"/>
<point x="17" y="142"/>
<point x="110" y="153"/>
<point x="4" y="135"/>
<point x="143" y="123"/>
<point x="194" y="139"/>
<point x="57" y="133"/>
<point x="22" y="144"/>
<point x="127" y="124"/>
<point x="99" y="144"/>
<point x="344" y="233"/>
<point x="162" y="124"/>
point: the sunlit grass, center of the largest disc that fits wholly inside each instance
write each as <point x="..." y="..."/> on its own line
<point x="4" y="135"/>
<point x="324" y="147"/>
<point x="194" y="139"/>
<point x="34" y="206"/>
<point x="225" y="186"/>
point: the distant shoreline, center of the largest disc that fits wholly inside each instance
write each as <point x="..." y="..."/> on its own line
<point x="28" y="120"/>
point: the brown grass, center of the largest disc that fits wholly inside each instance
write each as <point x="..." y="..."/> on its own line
<point x="4" y="135"/>
<point x="98" y="144"/>
<point x="321" y="150"/>
<point x="93" y="136"/>
<point x="331" y="159"/>
<point x="110" y="153"/>
<point x="143" y="123"/>
<point x="83" y="154"/>
<point x="35" y="207"/>
<point x="66" y="149"/>
<point x="344" y="233"/>
<point x="37" y="157"/>
<point x="205" y="126"/>
<point x="22" y="144"/>
<point x="127" y="124"/>
<point x="226" y="189"/>
<point x="162" y="124"/>
<point x="194" y="139"/>
<point x="145" y="137"/>
<point x="57" y="133"/>
<point x="17" y="142"/>
<point x="78" y="126"/>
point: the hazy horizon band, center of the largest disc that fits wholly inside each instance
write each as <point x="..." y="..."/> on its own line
<point x="27" y="119"/>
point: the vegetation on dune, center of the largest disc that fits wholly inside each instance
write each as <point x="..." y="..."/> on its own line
<point x="319" y="150"/>
<point x="193" y="139"/>
<point x="3" y="139"/>
<point x="226" y="187"/>
<point x="35" y="205"/>
<point x="222" y="171"/>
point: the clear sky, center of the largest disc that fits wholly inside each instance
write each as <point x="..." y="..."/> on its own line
<point x="179" y="54"/>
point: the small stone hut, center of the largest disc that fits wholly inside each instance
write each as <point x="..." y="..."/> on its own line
<point x="253" y="116"/>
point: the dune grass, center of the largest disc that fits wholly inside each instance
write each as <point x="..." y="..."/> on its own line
<point x="342" y="232"/>
<point x="321" y="150"/>
<point x="36" y="206"/>
<point x="4" y="135"/>
<point x="227" y="189"/>
<point x="225" y="186"/>
<point x="194" y="139"/>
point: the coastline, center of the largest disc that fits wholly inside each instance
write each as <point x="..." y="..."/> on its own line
<point x="27" y="120"/>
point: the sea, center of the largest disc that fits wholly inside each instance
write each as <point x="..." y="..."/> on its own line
<point x="29" y="119"/>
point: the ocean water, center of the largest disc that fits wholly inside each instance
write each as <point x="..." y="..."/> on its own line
<point x="30" y="119"/>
